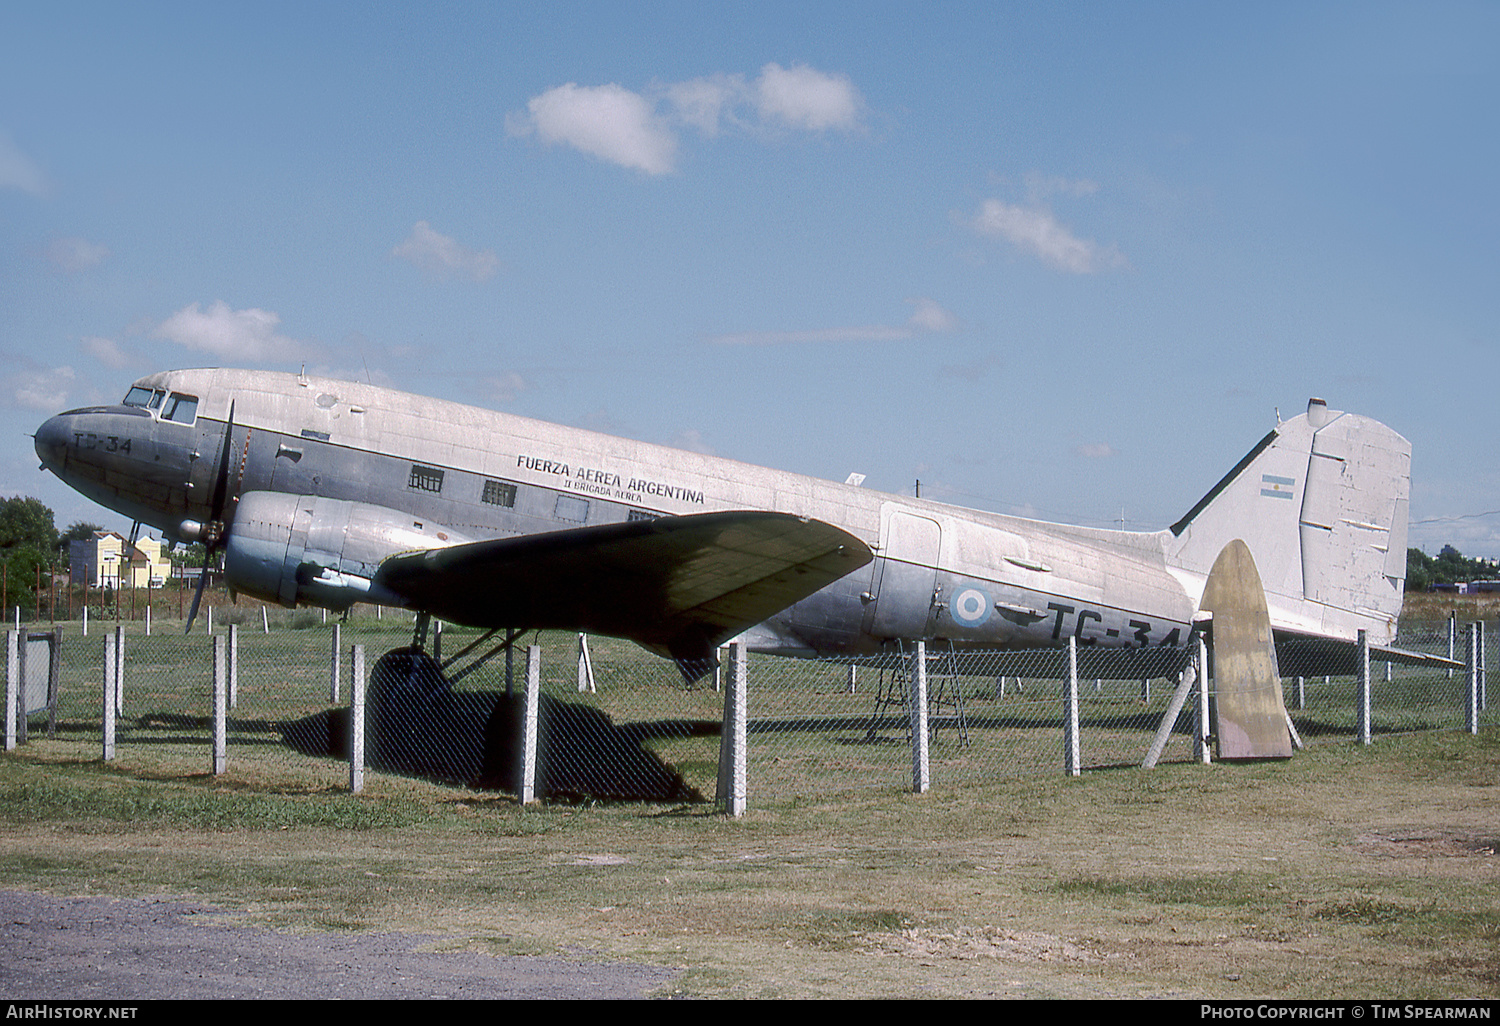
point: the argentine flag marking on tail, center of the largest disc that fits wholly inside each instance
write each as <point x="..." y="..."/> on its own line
<point x="1276" y="487"/>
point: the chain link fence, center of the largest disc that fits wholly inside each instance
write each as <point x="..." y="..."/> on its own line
<point x="616" y="723"/>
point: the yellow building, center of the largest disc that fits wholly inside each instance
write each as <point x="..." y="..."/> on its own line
<point x="101" y="561"/>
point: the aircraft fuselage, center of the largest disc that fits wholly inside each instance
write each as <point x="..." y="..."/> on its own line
<point x="404" y="472"/>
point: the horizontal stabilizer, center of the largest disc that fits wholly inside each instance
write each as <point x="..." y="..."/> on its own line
<point x="1303" y="655"/>
<point x="677" y="585"/>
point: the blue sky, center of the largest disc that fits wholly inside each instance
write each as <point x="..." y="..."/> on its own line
<point x="1060" y="260"/>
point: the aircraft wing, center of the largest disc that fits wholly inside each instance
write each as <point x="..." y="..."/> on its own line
<point x="678" y="585"/>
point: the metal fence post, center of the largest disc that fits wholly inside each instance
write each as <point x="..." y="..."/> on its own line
<point x="357" y="719"/>
<point x="1203" y="748"/>
<point x="917" y="720"/>
<point x="1072" y="754"/>
<point x="1482" y="666"/>
<point x="334" y="666"/>
<point x="585" y="667"/>
<point x="12" y="688"/>
<point x="1452" y="637"/>
<point x="732" y="742"/>
<point x="23" y="675"/>
<point x="234" y="666"/>
<point x="1471" y="703"/>
<point x="531" y="699"/>
<point x="221" y="694"/>
<point x="1362" y="714"/>
<point x="107" y="698"/>
<point x="119" y="633"/>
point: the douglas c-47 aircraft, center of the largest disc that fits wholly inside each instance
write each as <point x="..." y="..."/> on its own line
<point x="327" y="493"/>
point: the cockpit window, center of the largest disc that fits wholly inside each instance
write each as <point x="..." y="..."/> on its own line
<point x="180" y="409"/>
<point x="145" y="398"/>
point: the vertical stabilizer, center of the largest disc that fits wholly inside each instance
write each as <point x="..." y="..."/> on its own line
<point x="1321" y="503"/>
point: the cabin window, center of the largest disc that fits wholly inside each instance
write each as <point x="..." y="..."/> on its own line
<point x="641" y="514"/>
<point x="425" y="479"/>
<point x="145" y="398"/>
<point x="572" y="509"/>
<point x="499" y="493"/>
<point x="180" y="409"/>
<point x="316" y="436"/>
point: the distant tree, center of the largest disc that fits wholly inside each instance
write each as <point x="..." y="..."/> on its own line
<point x="189" y="555"/>
<point x="80" y="531"/>
<point x="25" y="521"/>
<point x="1420" y="575"/>
<point x="1449" y="566"/>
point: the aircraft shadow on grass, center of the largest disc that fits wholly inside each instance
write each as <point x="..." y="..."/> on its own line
<point x="474" y="739"/>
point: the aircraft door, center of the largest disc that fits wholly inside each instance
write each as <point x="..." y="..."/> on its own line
<point x="907" y="575"/>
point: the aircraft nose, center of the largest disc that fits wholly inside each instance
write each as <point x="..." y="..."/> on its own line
<point x="52" y="440"/>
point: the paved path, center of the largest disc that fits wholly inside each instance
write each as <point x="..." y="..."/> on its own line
<point x="143" y="949"/>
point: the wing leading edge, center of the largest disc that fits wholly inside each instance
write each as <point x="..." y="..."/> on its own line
<point x="677" y="585"/>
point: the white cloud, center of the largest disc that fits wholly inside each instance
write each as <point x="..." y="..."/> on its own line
<point x="73" y="254"/>
<point x="1040" y="186"/>
<point x="928" y="318"/>
<point x="106" y="351"/>
<point x="44" y="390"/>
<point x="704" y="102"/>
<point x="18" y="171"/>
<point x="1035" y="230"/>
<point x="1096" y="451"/>
<point x="237" y="335"/>
<point x="507" y="386"/>
<point x="691" y="439"/>
<point x="803" y="97"/>
<point x="641" y="130"/>
<point x="438" y="254"/>
<point x="931" y="317"/>
<point x="609" y="122"/>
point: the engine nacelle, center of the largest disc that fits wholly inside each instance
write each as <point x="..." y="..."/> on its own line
<point x="308" y="549"/>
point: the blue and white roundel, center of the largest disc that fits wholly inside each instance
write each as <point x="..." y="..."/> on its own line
<point x="971" y="607"/>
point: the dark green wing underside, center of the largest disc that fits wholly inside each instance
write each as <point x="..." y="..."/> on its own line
<point x="678" y="585"/>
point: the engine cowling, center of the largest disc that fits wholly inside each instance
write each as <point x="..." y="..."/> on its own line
<point x="308" y="549"/>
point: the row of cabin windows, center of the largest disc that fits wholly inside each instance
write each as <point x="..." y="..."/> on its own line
<point x="503" y="493"/>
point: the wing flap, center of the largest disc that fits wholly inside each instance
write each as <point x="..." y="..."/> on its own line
<point x="675" y="584"/>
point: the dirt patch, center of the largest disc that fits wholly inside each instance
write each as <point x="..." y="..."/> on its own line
<point x="1429" y="842"/>
<point x="967" y="943"/>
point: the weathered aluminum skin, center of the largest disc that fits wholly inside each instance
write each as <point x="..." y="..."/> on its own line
<point x="942" y="572"/>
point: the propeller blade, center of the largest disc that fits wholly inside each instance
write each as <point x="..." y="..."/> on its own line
<point x="221" y="480"/>
<point x="197" y="598"/>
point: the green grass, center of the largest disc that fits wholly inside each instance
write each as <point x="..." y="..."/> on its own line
<point x="1347" y="872"/>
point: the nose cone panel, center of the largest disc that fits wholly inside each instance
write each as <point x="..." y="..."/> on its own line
<point x="52" y="440"/>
